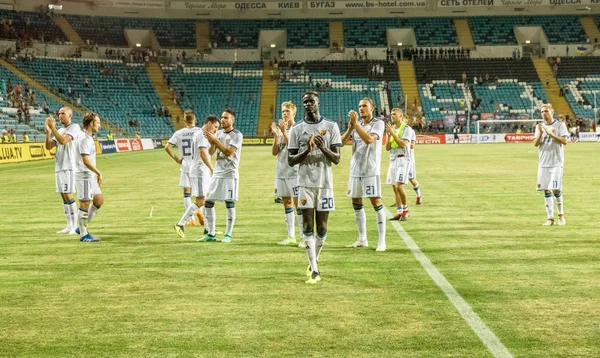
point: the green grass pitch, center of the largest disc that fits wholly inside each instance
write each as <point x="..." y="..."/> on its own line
<point x="143" y="292"/>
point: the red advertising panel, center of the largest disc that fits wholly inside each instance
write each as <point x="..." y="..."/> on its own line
<point x="122" y="145"/>
<point x="518" y="138"/>
<point x="431" y="139"/>
<point x="136" y="144"/>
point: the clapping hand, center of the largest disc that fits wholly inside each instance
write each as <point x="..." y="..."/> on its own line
<point x="319" y="141"/>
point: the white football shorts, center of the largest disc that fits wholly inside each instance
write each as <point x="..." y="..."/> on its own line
<point x="200" y="186"/>
<point x="549" y="178"/>
<point x="65" y="182"/>
<point x="287" y="187"/>
<point x="222" y="189"/>
<point x="87" y="188"/>
<point x="367" y="187"/>
<point x="316" y="198"/>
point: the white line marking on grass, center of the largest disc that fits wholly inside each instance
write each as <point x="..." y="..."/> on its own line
<point x="489" y="339"/>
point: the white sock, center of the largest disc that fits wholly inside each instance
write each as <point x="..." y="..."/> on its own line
<point x="380" y="224"/>
<point x="399" y="209"/>
<point x="188" y="214"/>
<point x="289" y="222"/>
<point x="361" y="223"/>
<point x="311" y="253"/>
<point x="559" y="203"/>
<point x="549" y="206"/>
<point x="187" y="201"/>
<point x="67" y="208"/>
<point x="319" y="242"/>
<point x="73" y="215"/>
<point x="92" y="211"/>
<point x="417" y="189"/>
<point x="210" y="220"/>
<point x="230" y="221"/>
<point x="300" y="221"/>
<point x="82" y="221"/>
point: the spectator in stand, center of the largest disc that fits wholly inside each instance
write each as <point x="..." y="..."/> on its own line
<point x="464" y="77"/>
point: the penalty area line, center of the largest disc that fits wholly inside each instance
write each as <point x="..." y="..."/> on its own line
<point x="487" y="337"/>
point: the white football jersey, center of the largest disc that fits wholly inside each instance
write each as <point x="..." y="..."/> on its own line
<point x="283" y="169"/>
<point x="183" y="139"/>
<point x="198" y="168"/>
<point x="551" y="154"/>
<point x="85" y="146"/>
<point x="227" y="166"/>
<point x="65" y="154"/>
<point x="366" y="158"/>
<point x="315" y="171"/>
<point x="407" y="134"/>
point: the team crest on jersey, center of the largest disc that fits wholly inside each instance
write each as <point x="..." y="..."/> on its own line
<point x="323" y="131"/>
<point x="227" y="139"/>
<point x="349" y="191"/>
<point x="275" y="190"/>
<point x="303" y="201"/>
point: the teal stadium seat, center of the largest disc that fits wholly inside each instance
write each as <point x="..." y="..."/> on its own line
<point x="123" y="94"/>
<point x="30" y="26"/>
<point x="371" y="32"/>
<point x="210" y="87"/>
<point x="581" y="77"/>
<point x="517" y="89"/>
<point x="106" y="30"/>
<point x="499" y="30"/>
<point x="300" y="33"/>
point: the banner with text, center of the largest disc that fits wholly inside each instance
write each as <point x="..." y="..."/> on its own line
<point x="15" y="153"/>
<point x="295" y="5"/>
<point x="140" y="4"/>
<point x="512" y="3"/>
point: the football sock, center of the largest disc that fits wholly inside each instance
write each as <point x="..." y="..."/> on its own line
<point x="188" y="214"/>
<point x="320" y="241"/>
<point x="380" y="223"/>
<point x="361" y="221"/>
<point x="300" y="220"/>
<point x="311" y="253"/>
<point x="72" y="220"/>
<point x="67" y="208"/>
<point x="405" y="208"/>
<point x="82" y="220"/>
<point x="92" y="211"/>
<point x="399" y="209"/>
<point x="549" y="205"/>
<point x="210" y="218"/>
<point x="187" y="200"/>
<point x="559" y="202"/>
<point x="289" y="221"/>
<point x="417" y="190"/>
<point x="230" y="205"/>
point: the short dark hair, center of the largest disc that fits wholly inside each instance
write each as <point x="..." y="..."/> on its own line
<point x="230" y="111"/>
<point x="212" y="119"/>
<point x="189" y="116"/>
<point x="313" y="93"/>
<point x="88" y="119"/>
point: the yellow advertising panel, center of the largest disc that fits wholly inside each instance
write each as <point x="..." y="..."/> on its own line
<point x="15" y="153"/>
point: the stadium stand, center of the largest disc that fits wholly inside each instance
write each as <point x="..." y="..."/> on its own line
<point x="499" y="30"/>
<point x="580" y="79"/>
<point x="348" y="82"/>
<point x="244" y="33"/>
<point x="210" y="87"/>
<point x="9" y="115"/>
<point x="105" y="30"/>
<point x="25" y="25"/>
<point x="119" y="93"/>
<point x="429" y="31"/>
<point x="510" y="90"/>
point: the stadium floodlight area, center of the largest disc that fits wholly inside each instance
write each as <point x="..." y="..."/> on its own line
<point x="495" y="126"/>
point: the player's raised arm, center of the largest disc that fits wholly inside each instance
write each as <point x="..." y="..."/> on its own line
<point x="538" y="135"/>
<point x="275" y="147"/>
<point x="49" y="142"/>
